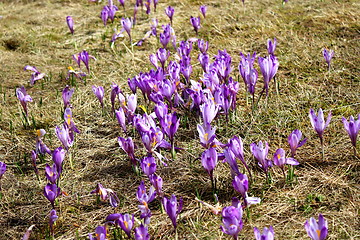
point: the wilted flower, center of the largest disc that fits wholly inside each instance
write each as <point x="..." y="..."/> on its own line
<point x="141" y="233"/>
<point x="294" y="141"/>
<point x="317" y="230"/>
<point x="352" y="127"/>
<point x="170" y="13"/>
<point x="36" y="75"/>
<point x="105" y="194"/>
<point x="203" y="9"/>
<point x="23" y="98"/>
<point x="195" y="21"/>
<point x="51" y="192"/>
<point x="172" y="208"/>
<point x="318" y="122"/>
<point x="271" y="46"/>
<point x="99" y="93"/>
<point x="52" y="219"/>
<point x="70" y="23"/>
<point x="268" y="233"/>
<point x="328" y="55"/>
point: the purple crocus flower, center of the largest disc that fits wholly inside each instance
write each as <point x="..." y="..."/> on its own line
<point x="268" y="233"/>
<point x="100" y="233"/>
<point x="203" y="45"/>
<point x="115" y="90"/>
<point x="268" y="68"/>
<point x="170" y="13"/>
<point x="41" y="148"/>
<point x="162" y="55"/>
<point x="328" y="55"/>
<point x="236" y="146"/>
<point x="63" y="135"/>
<point x="58" y="156"/>
<point x="209" y="160"/>
<point x="148" y="165"/>
<point x="241" y="184"/>
<point x="51" y="192"/>
<point x="173" y="208"/>
<point x="66" y="96"/>
<point x="52" y="219"/>
<point x="70" y="23"/>
<point x="260" y="153"/>
<point x="127" y="25"/>
<point x="317" y="230"/>
<point x="83" y="57"/>
<point x="280" y="159"/>
<point x="141" y="233"/>
<point x="122" y="2"/>
<point x="120" y="116"/>
<point x="165" y="36"/>
<point x="195" y="22"/>
<point x="2" y="169"/>
<point x="105" y="194"/>
<point x="247" y="71"/>
<point x="128" y="146"/>
<point x="170" y="124"/>
<point x="209" y="111"/>
<point x="51" y="173"/>
<point x="157" y="182"/>
<point x="271" y="46"/>
<point x="147" y="6"/>
<point x="33" y="161"/>
<point x="207" y="135"/>
<point x="23" y="98"/>
<point x="36" y="75"/>
<point x="126" y="223"/>
<point x="104" y="15"/>
<point x="70" y="123"/>
<point x="232" y="219"/>
<point x="352" y="127"/>
<point x="318" y="122"/>
<point x="99" y="93"/>
<point x="203" y="9"/>
<point x="294" y="140"/>
<point x="144" y="200"/>
<point x="155" y="4"/>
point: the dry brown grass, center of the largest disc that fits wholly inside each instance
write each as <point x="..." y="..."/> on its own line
<point x="35" y="33"/>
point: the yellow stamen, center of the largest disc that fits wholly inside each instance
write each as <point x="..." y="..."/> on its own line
<point x="318" y="233"/>
<point x="278" y="156"/>
<point x="70" y="68"/>
<point x="126" y="224"/>
<point x="68" y="119"/>
<point x="206" y="136"/>
<point x="38" y="132"/>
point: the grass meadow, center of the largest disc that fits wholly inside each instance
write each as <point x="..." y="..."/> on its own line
<point x="34" y="32"/>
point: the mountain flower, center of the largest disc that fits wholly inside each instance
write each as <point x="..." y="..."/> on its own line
<point x="317" y="230"/>
<point x="70" y="23"/>
<point x="294" y="140"/>
<point x="23" y="98"/>
<point x="352" y="127"/>
<point x="268" y="233"/>
<point x="328" y="55"/>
